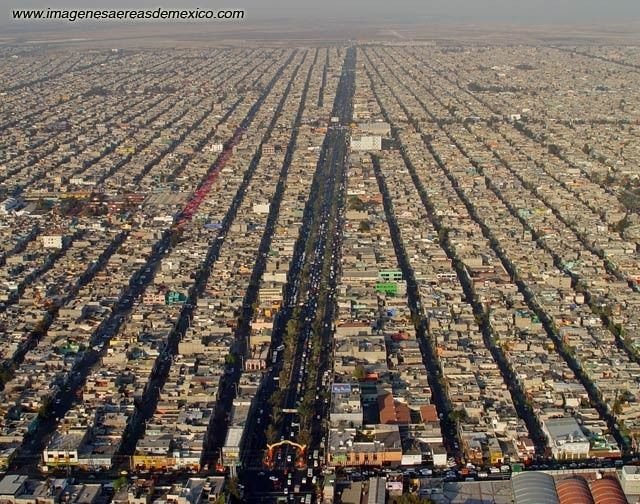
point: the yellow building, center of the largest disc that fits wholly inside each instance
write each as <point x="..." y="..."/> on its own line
<point x="496" y="456"/>
<point x="152" y="462"/>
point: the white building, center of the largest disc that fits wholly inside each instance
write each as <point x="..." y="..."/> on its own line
<point x="566" y="439"/>
<point x="261" y="208"/>
<point x="231" y="448"/>
<point x="62" y="449"/>
<point x="630" y="480"/>
<point x="366" y="142"/>
<point x="53" y="241"/>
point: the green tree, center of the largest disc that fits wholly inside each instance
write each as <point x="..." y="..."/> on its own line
<point x="630" y="200"/>
<point x="6" y="374"/>
<point x="233" y="488"/>
<point x="364" y="226"/>
<point x="355" y="203"/>
<point x="45" y="408"/>
<point x="411" y="499"/>
<point x="292" y="327"/>
<point x="617" y="406"/>
<point x="176" y="235"/>
<point x="271" y="434"/>
<point x="303" y="437"/>
<point x="554" y="149"/>
<point x="121" y="482"/>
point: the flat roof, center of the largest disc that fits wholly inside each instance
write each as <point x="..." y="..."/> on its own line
<point x="67" y="441"/>
<point x="234" y="436"/>
<point x="10" y="484"/>
<point x="565" y="429"/>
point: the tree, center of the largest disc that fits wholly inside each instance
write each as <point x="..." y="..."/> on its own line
<point x="443" y="235"/>
<point x="6" y="374"/>
<point x="630" y="200"/>
<point x="233" y="488"/>
<point x="458" y="416"/>
<point x="119" y="483"/>
<point x="304" y="437"/>
<point x="96" y="91"/>
<point x="276" y="398"/>
<point x="271" y="434"/>
<point x="474" y="87"/>
<point x="175" y="238"/>
<point x="554" y="149"/>
<point x="355" y="203"/>
<point x="292" y="327"/>
<point x="411" y="499"/>
<point x="44" y="411"/>
<point x="304" y="409"/>
<point x="364" y="226"/>
<point x="617" y="406"/>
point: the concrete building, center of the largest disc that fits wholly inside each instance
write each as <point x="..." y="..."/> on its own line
<point x="566" y="439"/>
<point x="346" y="405"/>
<point x="630" y="480"/>
<point x="375" y="128"/>
<point x="366" y="143"/>
<point x="52" y="241"/>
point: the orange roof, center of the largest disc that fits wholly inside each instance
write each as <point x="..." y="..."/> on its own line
<point x="386" y="409"/>
<point x="607" y="491"/>
<point x="574" y="490"/>
<point x="429" y="413"/>
<point x="392" y="411"/>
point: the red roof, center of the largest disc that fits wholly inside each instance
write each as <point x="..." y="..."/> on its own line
<point x="400" y="336"/>
<point x="574" y="490"/>
<point x="607" y="491"/>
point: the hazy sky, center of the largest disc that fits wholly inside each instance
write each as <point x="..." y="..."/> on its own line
<point x="468" y="10"/>
<point x="519" y="11"/>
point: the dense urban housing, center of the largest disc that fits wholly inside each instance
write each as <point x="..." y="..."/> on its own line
<point x="320" y="273"/>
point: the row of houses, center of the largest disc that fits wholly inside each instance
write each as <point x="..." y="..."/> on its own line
<point x="557" y="393"/>
<point x="125" y="383"/>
